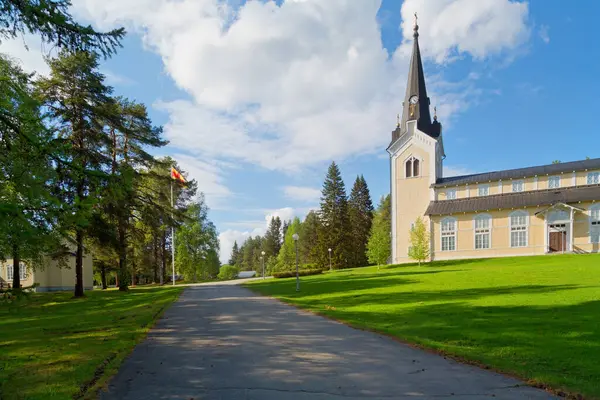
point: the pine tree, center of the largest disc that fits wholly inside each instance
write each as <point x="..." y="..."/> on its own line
<point x="53" y="22"/>
<point x="419" y="242"/>
<point x="334" y="217"/>
<point x="77" y="102"/>
<point x="360" y="208"/>
<point x="379" y="246"/>
<point x="284" y="229"/>
<point x="235" y="254"/>
<point x="28" y="210"/>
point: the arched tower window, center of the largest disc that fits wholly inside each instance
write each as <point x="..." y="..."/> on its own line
<point x="412" y="167"/>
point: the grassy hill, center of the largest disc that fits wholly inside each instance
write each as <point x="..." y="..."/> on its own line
<point x="535" y="317"/>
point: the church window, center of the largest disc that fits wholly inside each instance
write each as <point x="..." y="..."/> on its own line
<point x="593" y="178"/>
<point x="554" y="182"/>
<point x="482" y="231"/>
<point x="518" y="229"/>
<point x="449" y="234"/>
<point x="413" y="167"/>
<point x="451" y="194"/>
<point x="484" y="190"/>
<point x="518" y="186"/>
<point x="22" y="272"/>
<point x="595" y="224"/>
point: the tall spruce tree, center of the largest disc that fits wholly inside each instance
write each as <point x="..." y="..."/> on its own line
<point x="379" y="247"/>
<point x="360" y="208"/>
<point x="272" y="239"/>
<point x="235" y="254"/>
<point x="77" y="100"/>
<point x="334" y="217"/>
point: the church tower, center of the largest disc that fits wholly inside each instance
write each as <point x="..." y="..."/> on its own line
<point x="416" y="157"/>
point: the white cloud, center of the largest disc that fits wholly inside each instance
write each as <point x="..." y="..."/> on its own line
<point x="302" y="193"/>
<point x="456" y="171"/>
<point x="253" y="228"/>
<point x="317" y="85"/>
<point x="29" y="52"/>
<point x="209" y="176"/>
<point x="481" y="28"/>
<point x="114" y="79"/>
<point x="544" y="33"/>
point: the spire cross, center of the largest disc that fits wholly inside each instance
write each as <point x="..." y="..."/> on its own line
<point x="397" y="119"/>
<point x="435" y="113"/>
<point x="416" y="27"/>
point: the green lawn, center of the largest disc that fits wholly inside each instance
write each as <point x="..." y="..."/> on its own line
<point x="534" y="317"/>
<point x="55" y="347"/>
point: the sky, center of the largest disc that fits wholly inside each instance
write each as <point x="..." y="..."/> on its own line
<point x="258" y="97"/>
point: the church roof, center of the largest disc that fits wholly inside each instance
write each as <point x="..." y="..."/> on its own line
<point x="519" y="173"/>
<point x="534" y="198"/>
<point x="416" y="87"/>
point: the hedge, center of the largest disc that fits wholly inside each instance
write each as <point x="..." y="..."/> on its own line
<point x="303" y="272"/>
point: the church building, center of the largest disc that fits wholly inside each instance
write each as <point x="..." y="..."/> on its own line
<point x="525" y="211"/>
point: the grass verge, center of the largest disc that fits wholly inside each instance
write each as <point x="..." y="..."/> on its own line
<point x="56" y="347"/>
<point x="537" y="318"/>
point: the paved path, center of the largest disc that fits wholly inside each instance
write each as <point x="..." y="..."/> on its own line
<point x="224" y="342"/>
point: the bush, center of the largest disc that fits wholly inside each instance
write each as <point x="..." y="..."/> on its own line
<point x="303" y="272"/>
<point x="228" y="272"/>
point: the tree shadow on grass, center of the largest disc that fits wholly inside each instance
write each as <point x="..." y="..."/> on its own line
<point x="402" y="298"/>
<point x="340" y="284"/>
<point x="556" y="345"/>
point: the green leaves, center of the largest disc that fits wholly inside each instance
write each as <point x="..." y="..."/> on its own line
<point x="380" y="241"/>
<point x="419" y="241"/>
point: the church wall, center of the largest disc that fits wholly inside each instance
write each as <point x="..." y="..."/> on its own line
<point x="412" y="196"/>
<point x="500" y="235"/>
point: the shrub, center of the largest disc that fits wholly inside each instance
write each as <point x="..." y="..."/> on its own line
<point x="303" y="272"/>
<point x="228" y="272"/>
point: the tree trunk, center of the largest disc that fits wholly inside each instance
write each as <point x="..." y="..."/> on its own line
<point x="133" y="281"/>
<point x="16" y="271"/>
<point x="79" y="264"/>
<point x="103" y="276"/>
<point x="122" y="260"/>
<point x="163" y="254"/>
<point x="155" y="261"/>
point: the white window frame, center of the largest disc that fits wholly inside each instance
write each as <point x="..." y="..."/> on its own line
<point x="22" y="272"/>
<point x="554" y="182"/>
<point x="483" y="190"/>
<point x="482" y="231"/>
<point x="593" y="178"/>
<point x="520" y="183"/>
<point x="448" y="233"/>
<point x="9" y="272"/>
<point x="448" y="196"/>
<point x="518" y="228"/>
<point x="594" y="223"/>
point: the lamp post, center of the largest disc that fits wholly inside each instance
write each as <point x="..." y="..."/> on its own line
<point x="296" y="237"/>
<point x="263" y="263"/>
<point x="329" y="249"/>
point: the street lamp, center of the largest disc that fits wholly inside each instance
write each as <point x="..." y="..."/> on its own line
<point x="263" y="263"/>
<point x="296" y="237"/>
<point x="329" y="249"/>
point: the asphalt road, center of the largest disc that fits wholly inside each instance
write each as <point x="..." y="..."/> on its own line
<point x="224" y="342"/>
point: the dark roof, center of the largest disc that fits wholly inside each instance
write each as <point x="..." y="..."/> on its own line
<point x="515" y="200"/>
<point x="519" y="173"/>
<point x="416" y="87"/>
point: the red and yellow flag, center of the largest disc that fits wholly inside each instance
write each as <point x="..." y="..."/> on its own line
<point x="176" y="175"/>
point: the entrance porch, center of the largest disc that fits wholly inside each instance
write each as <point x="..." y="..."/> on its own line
<point x="559" y="227"/>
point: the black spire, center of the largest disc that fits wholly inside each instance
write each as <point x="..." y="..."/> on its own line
<point x="416" y="102"/>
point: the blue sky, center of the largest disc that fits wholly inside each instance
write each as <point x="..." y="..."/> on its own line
<point x="257" y="98"/>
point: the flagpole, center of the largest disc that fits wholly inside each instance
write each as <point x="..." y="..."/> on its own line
<point x="172" y="234"/>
